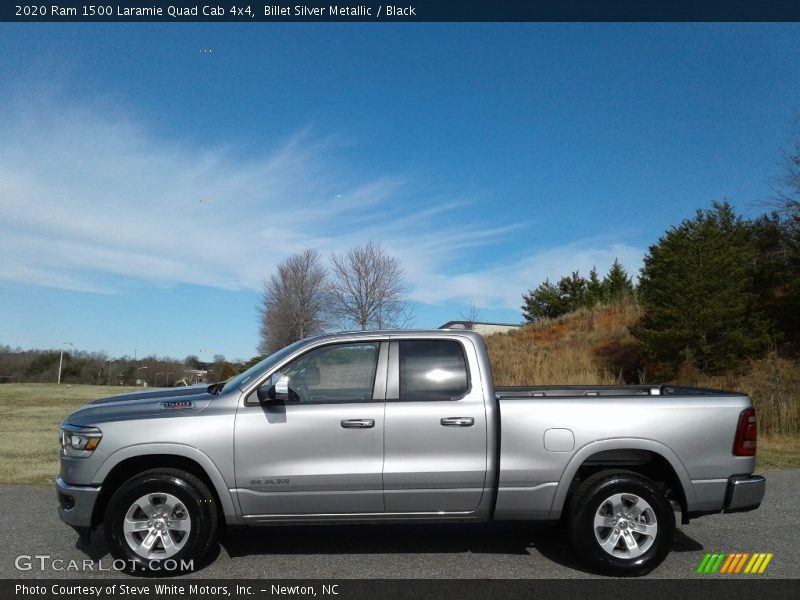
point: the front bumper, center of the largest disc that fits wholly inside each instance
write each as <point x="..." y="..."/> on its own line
<point x="745" y="492"/>
<point x="76" y="504"/>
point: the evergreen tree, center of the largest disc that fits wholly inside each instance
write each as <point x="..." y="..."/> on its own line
<point x="595" y="293"/>
<point x="697" y="291"/>
<point x="785" y="249"/>
<point x="542" y="303"/>
<point x="573" y="292"/>
<point x="777" y="276"/>
<point x="617" y="283"/>
<point x="549" y="300"/>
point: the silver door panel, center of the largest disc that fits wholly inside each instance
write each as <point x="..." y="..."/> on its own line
<point x="296" y="459"/>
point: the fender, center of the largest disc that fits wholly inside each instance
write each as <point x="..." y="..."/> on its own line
<point x="619" y="444"/>
<point x="136" y="450"/>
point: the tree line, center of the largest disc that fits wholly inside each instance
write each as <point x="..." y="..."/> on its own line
<point x="98" y="368"/>
<point x="571" y="292"/>
<point x="714" y="290"/>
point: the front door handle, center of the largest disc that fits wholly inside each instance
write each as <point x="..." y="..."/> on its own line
<point x="358" y="423"/>
<point x="458" y="422"/>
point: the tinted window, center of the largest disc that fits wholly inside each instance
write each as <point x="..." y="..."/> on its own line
<point x="338" y="373"/>
<point x="432" y="370"/>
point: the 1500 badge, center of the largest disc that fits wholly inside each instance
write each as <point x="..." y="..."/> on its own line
<point x="176" y="404"/>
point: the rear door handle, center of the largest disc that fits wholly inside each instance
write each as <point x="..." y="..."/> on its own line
<point x="457" y="422"/>
<point x="358" y="423"/>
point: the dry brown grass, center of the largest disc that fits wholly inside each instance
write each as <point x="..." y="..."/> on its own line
<point x="29" y="417"/>
<point x="772" y="382"/>
<point x="596" y="347"/>
<point x="590" y="346"/>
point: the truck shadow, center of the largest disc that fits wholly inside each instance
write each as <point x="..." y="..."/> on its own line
<point x="549" y="540"/>
<point x="499" y="538"/>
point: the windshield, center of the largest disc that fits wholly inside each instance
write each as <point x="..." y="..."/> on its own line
<point x="261" y="367"/>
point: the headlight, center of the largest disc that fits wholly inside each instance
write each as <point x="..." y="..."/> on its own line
<point x="79" y="441"/>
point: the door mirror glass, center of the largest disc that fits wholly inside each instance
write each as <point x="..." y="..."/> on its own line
<point x="280" y="383"/>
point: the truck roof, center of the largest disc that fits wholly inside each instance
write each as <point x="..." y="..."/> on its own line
<point x="396" y="333"/>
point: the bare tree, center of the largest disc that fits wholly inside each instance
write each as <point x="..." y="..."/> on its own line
<point x="293" y="303"/>
<point x="789" y="181"/>
<point x="472" y="315"/>
<point x="368" y="290"/>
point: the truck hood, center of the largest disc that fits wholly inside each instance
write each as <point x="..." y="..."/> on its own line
<point x="166" y="402"/>
<point x="159" y="393"/>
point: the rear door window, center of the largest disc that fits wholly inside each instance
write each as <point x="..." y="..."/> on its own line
<point x="432" y="370"/>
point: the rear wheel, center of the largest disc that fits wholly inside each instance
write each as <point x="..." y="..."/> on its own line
<point x="621" y="523"/>
<point x="161" y="520"/>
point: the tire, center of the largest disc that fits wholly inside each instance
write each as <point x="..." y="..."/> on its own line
<point x="160" y="516"/>
<point x="620" y="523"/>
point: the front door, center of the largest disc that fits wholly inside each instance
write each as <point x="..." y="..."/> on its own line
<point x="320" y="452"/>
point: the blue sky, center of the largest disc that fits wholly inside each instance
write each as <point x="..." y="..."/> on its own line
<point x="153" y="175"/>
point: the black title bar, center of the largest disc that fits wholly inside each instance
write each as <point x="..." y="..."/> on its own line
<point x="737" y="588"/>
<point x="332" y="11"/>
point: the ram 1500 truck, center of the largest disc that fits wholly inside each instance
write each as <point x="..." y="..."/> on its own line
<point x="403" y="426"/>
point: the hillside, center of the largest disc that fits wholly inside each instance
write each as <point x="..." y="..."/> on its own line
<point x="595" y="346"/>
<point x="589" y="346"/>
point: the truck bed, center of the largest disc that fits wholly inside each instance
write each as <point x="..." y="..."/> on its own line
<point x="564" y="426"/>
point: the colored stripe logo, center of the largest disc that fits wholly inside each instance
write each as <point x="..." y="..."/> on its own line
<point x="734" y="563"/>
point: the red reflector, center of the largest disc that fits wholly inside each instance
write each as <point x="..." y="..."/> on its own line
<point x="746" y="433"/>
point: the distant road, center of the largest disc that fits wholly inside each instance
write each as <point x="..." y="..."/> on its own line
<point x="504" y="550"/>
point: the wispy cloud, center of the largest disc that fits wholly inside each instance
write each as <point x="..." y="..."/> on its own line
<point x="502" y="286"/>
<point x="92" y="202"/>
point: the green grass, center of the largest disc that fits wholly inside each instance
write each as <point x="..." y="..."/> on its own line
<point x="31" y="412"/>
<point x="29" y="417"/>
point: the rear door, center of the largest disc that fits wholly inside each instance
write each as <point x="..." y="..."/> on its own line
<point x="435" y="429"/>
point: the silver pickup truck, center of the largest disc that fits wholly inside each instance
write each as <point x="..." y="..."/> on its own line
<point x="403" y="426"/>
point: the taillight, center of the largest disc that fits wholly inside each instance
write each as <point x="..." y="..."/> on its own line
<point x="746" y="433"/>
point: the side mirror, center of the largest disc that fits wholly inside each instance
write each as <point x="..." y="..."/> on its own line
<point x="276" y="391"/>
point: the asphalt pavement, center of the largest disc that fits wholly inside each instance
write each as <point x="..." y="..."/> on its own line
<point x="31" y="528"/>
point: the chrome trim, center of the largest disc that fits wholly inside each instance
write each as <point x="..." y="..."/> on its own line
<point x="378" y="514"/>
<point x="745" y="492"/>
<point x="82" y="430"/>
<point x="357" y="423"/>
<point x="457" y="421"/>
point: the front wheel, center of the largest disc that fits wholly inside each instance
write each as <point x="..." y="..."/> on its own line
<point x="621" y="523"/>
<point x="162" y="520"/>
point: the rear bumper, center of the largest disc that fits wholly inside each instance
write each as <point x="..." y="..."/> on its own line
<point x="76" y="504"/>
<point x="745" y="492"/>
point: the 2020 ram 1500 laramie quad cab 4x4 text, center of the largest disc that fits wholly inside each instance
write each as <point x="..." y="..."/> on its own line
<point x="404" y="426"/>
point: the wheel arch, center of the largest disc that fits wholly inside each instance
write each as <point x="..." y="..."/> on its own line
<point x="646" y="457"/>
<point x="127" y="463"/>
